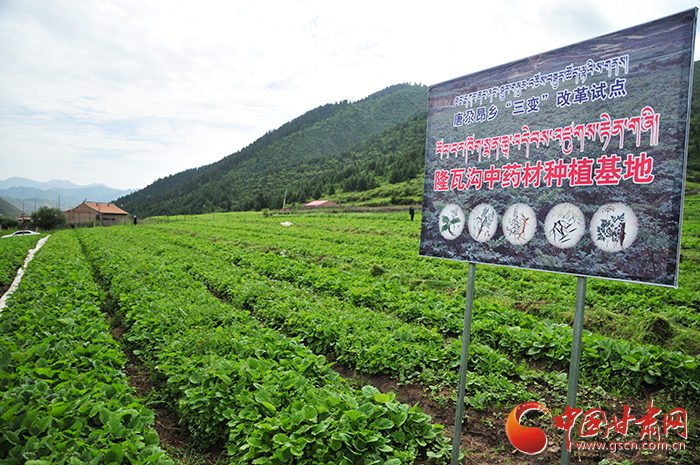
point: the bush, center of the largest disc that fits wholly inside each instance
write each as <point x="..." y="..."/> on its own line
<point x="7" y="222"/>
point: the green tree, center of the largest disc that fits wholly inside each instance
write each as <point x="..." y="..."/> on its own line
<point x="8" y="222"/>
<point x="48" y="218"/>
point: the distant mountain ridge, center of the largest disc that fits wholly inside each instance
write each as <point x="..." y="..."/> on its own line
<point x="43" y="185"/>
<point x="257" y="176"/>
<point x="28" y="194"/>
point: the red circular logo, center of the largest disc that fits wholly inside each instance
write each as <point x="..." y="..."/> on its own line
<point x="529" y="440"/>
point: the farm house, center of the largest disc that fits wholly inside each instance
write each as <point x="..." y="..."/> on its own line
<point x="320" y="204"/>
<point x="106" y="214"/>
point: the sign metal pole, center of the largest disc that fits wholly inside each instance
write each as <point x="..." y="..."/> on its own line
<point x="464" y="359"/>
<point x="575" y="358"/>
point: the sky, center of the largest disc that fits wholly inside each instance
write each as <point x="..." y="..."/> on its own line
<point x="124" y="92"/>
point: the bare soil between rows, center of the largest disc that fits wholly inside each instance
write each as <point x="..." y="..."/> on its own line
<point x="174" y="436"/>
<point x="483" y="438"/>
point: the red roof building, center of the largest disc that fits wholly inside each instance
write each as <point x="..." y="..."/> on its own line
<point x="106" y="214"/>
<point x="320" y="204"/>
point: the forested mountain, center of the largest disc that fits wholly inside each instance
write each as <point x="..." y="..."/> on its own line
<point x="335" y="151"/>
<point x="257" y="176"/>
<point x="393" y="156"/>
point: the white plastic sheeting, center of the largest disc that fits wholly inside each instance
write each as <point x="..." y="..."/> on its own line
<point x="20" y="272"/>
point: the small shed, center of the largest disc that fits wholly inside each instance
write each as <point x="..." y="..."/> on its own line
<point x="106" y="214"/>
<point x="321" y="204"/>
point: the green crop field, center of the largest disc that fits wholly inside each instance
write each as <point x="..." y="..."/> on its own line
<point x="244" y="325"/>
<point x="12" y="254"/>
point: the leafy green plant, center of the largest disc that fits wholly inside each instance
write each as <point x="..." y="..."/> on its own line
<point x="13" y="252"/>
<point x="510" y="331"/>
<point x="265" y="394"/>
<point x="65" y="398"/>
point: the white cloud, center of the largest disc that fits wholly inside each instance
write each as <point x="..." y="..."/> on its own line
<point x="125" y="92"/>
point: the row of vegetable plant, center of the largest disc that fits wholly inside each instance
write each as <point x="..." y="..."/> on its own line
<point x="233" y="380"/>
<point x="65" y="398"/>
<point x="354" y="247"/>
<point x="12" y="254"/>
<point x="369" y="341"/>
<point x="618" y="363"/>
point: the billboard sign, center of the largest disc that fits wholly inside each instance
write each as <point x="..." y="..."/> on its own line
<point x="571" y="161"/>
